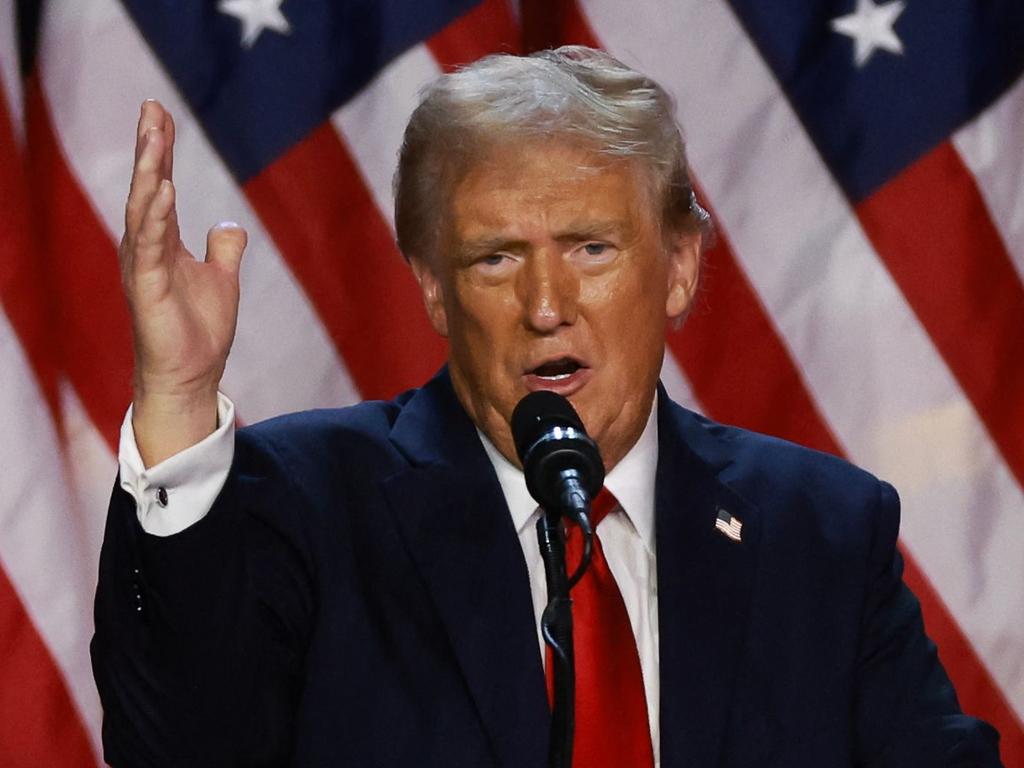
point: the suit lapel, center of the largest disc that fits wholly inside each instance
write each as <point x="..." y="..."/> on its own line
<point x="704" y="586"/>
<point x="452" y="514"/>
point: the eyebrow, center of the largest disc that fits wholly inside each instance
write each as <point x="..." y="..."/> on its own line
<point x="572" y="234"/>
<point x="575" y="233"/>
<point x="485" y="245"/>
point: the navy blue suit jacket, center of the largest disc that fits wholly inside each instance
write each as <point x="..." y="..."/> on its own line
<point x="358" y="596"/>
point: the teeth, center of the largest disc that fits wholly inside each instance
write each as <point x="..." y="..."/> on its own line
<point x="556" y="370"/>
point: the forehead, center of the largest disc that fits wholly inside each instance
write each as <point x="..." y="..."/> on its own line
<point x="517" y="187"/>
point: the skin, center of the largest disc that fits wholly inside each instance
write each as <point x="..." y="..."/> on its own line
<point x="552" y="252"/>
<point x="183" y="310"/>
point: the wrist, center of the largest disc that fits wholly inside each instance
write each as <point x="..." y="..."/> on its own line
<point x="167" y="423"/>
<point x="184" y="402"/>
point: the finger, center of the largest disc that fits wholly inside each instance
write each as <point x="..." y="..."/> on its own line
<point x="146" y="178"/>
<point x="225" y="244"/>
<point x="168" y="164"/>
<point x="150" y="245"/>
<point x="151" y="115"/>
<point x="172" y="224"/>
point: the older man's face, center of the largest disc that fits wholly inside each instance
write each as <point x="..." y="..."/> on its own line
<point x="555" y="275"/>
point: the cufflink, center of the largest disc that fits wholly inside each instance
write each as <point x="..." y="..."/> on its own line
<point x="161" y="496"/>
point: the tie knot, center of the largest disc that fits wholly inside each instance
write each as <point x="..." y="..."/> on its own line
<point x="601" y="506"/>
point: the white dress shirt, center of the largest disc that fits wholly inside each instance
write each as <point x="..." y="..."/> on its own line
<point x="174" y="494"/>
<point x="627" y="538"/>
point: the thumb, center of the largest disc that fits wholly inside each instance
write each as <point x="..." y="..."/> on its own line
<point x="224" y="245"/>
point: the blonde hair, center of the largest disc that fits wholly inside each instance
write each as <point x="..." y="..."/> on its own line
<point x="572" y="92"/>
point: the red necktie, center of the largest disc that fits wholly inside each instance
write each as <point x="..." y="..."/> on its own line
<point x="612" y="729"/>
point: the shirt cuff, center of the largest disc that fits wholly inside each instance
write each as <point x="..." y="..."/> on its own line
<point x="179" y="491"/>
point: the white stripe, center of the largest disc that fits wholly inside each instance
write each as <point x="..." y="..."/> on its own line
<point x="96" y="69"/>
<point x="373" y="122"/>
<point x="10" y="77"/>
<point x="676" y="383"/>
<point x="91" y="468"/>
<point x="731" y="530"/>
<point x="865" y="357"/>
<point x="44" y="545"/>
<point x="992" y="147"/>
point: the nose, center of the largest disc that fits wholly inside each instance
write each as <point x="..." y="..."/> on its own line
<point x="548" y="291"/>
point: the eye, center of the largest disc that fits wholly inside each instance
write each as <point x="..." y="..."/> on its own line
<point x="596" y="251"/>
<point x="493" y="266"/>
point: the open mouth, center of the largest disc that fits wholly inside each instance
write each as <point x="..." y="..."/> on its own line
<point x="557" y="370"/>
<point x="565" y="375"/>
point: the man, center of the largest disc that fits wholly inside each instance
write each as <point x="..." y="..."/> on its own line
<point x="363" y="586"/>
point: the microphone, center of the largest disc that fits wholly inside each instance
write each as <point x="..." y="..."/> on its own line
<point x="563" y="473"/>
<point x="561" y="462"/>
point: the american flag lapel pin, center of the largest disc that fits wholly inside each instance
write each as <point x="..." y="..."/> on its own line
<point x="729" y="525"/>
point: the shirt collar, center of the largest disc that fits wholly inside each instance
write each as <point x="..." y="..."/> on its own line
<point x="631" y="481"/>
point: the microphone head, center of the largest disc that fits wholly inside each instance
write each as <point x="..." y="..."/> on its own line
<point x="550" y="441"/>
<point x="538" y="412"/>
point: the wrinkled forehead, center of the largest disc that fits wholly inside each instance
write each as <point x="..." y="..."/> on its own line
<point x="504" y="178"/>
<point x="482" y="149"/>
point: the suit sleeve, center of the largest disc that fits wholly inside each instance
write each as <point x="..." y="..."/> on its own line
<point x="200" y="635"/>
<point x="907" y="712"/>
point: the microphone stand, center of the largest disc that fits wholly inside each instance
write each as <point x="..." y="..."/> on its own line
<point x="556" y="621"/>
<point x="556" y="627"/>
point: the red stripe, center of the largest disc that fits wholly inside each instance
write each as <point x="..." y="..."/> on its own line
<point x="551" y="23"/>
<point x="328" y="229"/>
<point x="741" y="373"/>
<point x="730" y="299"/>
<point x="728" y="341"/>
<point x="548" y="24"/>
<point x="95" y="348"/>
<point x="316" y="206"/>
<point x="726" y="349"/>
<point x="931" y="228"/>
<point x="736" y="363"/>
<point x="39" y="724"/>
<point x="488" y="28"/>
<point x="933" y="232"/>
<point x="977" y="691"/>
<point x="23" y="278"/>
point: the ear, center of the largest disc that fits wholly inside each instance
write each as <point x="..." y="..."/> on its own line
<point x="433" y="294"/>
<point x="683" y="272"/>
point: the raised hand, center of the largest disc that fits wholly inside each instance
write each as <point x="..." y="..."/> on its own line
<point x="183" y="311"/>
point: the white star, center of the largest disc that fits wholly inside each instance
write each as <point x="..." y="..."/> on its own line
<point x="870" y="27"/>
<point x="256" y="15"/>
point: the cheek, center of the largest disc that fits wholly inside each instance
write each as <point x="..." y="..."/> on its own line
<point x="628" y="303"/>
<point x="482" y="324"/>
<point x="631" y="327"/>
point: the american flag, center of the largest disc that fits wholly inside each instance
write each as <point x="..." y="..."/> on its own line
<point x="863" y="160"/>
<point x="729" y="525"/>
